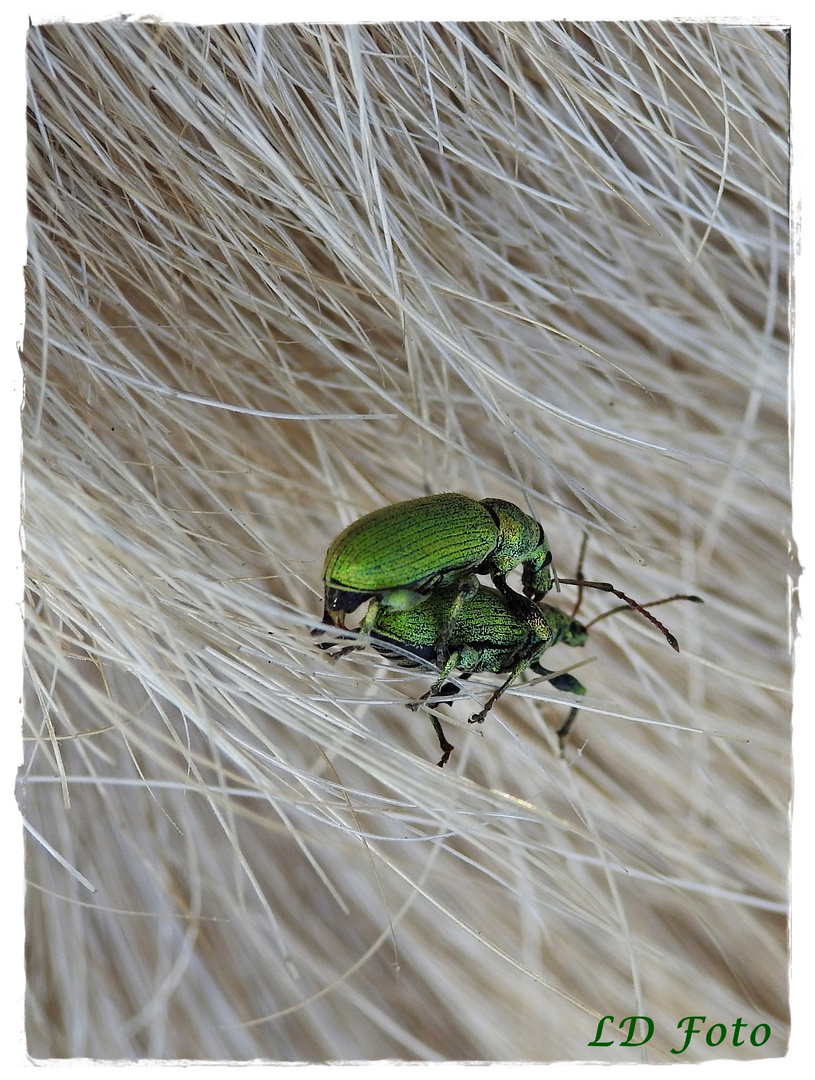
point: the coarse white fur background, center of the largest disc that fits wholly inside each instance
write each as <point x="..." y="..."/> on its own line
<point x="279" y="277"/>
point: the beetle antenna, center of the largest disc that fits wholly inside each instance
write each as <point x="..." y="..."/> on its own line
<point x="649" y="605"/>
<point x="605" y="586"/>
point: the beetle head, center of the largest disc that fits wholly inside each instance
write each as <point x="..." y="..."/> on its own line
<point x="521" y="540"/>
<point x="564" y="628"/>
<point x="574" y="633"/>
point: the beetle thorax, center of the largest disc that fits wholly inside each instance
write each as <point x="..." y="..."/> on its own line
<point x="518" y="534"/>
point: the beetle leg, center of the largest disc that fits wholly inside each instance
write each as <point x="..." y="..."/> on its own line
<point x="565" y="728"/>
<point x="370" y="616"/>
<point x="500" y="582"/>
<point x="438" y="685"/>
<point x="446" y="747"/>
<point x="467" y="588"/>
<point x="566" y="682"/>
<point x="332" y="644"/>
<point x="480" y="717"/>
<point x="336" y="620"/>
<point x="571" y="685"/>
<point x="328" y="621"/>
<point x="363" y="628"/>
<point x="518" y="605"/>
<point x="340" y="652"/>
<point x="578" y="575"/>
<point x="447" y="692"/>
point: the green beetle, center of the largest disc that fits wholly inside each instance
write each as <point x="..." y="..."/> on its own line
<point x="492" y="633"/>
<point x="489" y="634"/>
<point x="398" y="555"/>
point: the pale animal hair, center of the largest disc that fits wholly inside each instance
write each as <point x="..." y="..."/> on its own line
<point x="280" y="277"/>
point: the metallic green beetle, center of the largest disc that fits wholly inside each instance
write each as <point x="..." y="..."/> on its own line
<point x="495" y="634"/>
<point x="489" y="634"/>
<point x="398" y="555"/>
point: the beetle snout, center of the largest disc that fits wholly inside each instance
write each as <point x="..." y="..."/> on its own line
<point x="538" y="582"/>
<point x="531" y="592"/>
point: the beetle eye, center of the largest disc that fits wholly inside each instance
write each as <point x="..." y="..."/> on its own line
<point x="547" y="559"/>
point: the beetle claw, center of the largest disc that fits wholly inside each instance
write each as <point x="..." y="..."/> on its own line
<point x="446" y="755"/>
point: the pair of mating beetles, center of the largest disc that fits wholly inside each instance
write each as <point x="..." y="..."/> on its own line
<point x="417" y="561"/>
